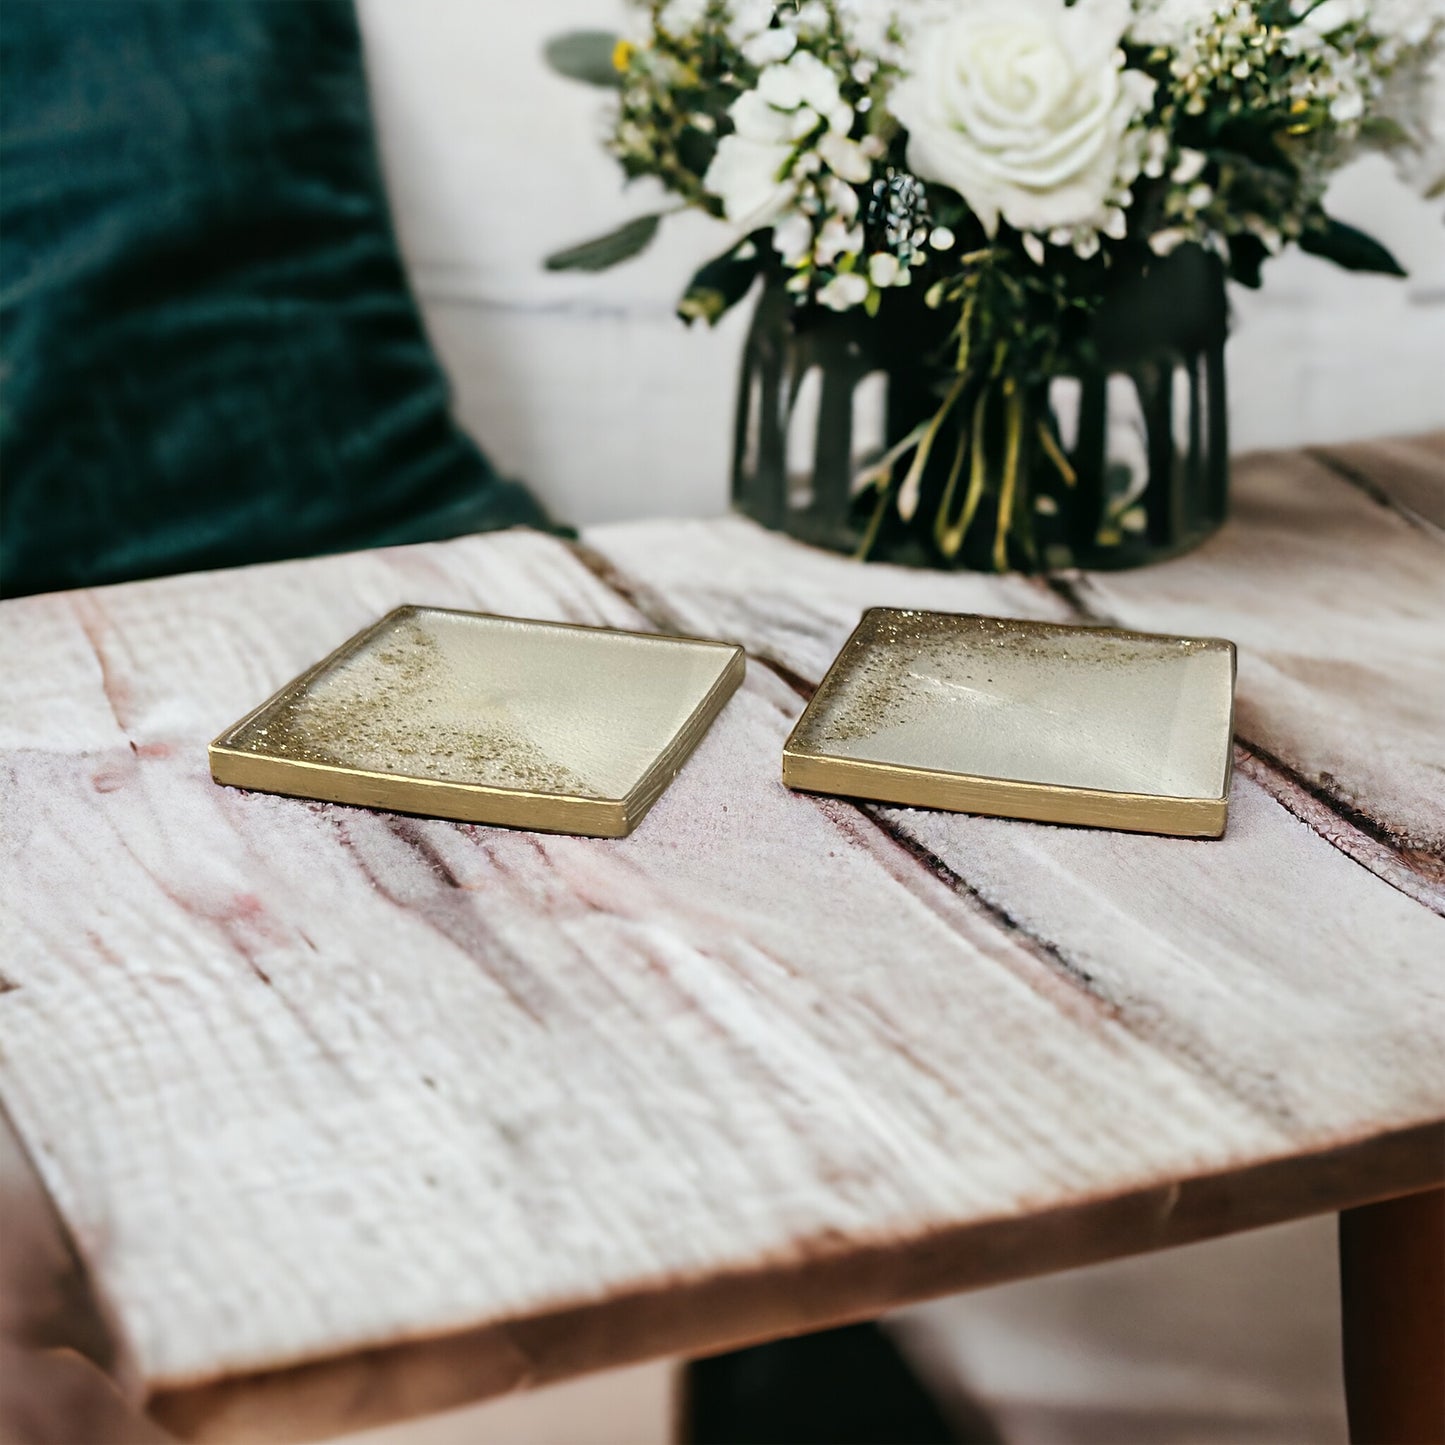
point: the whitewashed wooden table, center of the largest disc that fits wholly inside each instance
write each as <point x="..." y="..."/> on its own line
<point x="353" y="1114"/>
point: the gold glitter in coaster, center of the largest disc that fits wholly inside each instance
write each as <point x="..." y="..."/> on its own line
<point x="1037" y="720"/>
<point x="489" y="720"/>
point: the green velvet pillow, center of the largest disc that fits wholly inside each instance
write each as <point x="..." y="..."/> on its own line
<point x="208" y="353"/>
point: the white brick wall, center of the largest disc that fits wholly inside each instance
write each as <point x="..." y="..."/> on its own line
<point x="589" y="388"/>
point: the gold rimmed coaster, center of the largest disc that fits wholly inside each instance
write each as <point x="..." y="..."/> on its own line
<point x="487" y="719"/>
<point x="1037" y="720"/>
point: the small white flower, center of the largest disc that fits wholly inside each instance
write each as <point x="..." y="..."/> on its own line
<point x="755" y="118"/>
<point x="841" y="197"/>
<point x="680" y="16"/>
<point x="767" y="47"/>
<point x="845" y="158"/>
<point x="844" y="292"/>
<point x="793" y="238"/>
<point x="748" y="18"/>
<point x="803" y="79"/>
<point x="1188" y="167"/>
<point x="941" y="238"/>
<point x="1333" y="15"/>
<point x="836" y="238"/>
<point x="1156" y="152"/>
<point x="883" y="269"/>
<point x="1161" y="243"/>
<point x="867" y="23"/>
<point x="1022" y="107"/>
<point x="1172" y="22"/>
<point x="1347" y="106"/>
<point x="812" y="18"/>
<point x="745" y="177"/>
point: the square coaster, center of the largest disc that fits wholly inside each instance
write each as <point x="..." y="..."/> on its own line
<point x="487" y="719"/>
<point x="1086" y="725"/>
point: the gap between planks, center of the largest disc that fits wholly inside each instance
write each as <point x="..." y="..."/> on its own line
<point x="1415" y="873"/>
<point x="1419" y="875"/>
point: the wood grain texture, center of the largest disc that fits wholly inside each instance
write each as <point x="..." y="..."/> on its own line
<point x="1334" y="597"/>
<point x="1400" y="472"/>
<point x="496" y="1107"/>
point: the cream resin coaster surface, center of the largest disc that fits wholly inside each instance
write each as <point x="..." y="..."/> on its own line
<point x="488" y="720"/>
<point x="1024" y="720"/>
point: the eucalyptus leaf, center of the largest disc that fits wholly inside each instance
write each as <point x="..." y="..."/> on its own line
<point x="1348" y="247"/>
<point x="721" y="284"/>
<point x="1384" y="130"/>
<point x="597" y="255"/>
<point x="584" y="55"/>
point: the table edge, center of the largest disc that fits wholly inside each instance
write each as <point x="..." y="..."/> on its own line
<point x="823" y="1283"/>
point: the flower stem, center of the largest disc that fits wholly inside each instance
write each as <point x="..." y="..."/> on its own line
<point x="908" y="492"/>
<point x="1013" y="435"/>
<point x="1055" y="453"/>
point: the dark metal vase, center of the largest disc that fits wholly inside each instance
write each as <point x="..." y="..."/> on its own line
<point x="822" y="396"/>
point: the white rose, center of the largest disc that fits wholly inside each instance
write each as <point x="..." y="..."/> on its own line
<point x="1023" y="107"/>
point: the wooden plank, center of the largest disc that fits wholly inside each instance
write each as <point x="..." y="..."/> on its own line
<point x="306" y="1080"/>
<point x="1337" y="604"/>
<point x="1183" y="939"/>
<point x="1334" y="600"/>
<point x="1407" y="473"/>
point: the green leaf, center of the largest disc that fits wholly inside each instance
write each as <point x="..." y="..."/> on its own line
<point x="722" y="283"/>
<point x="1246" y="255"/>
<point x="1384" y="130"/>
<point x="584" y="55"/>
<point x="597" y="255"/>
<point x="1347" y="247"/>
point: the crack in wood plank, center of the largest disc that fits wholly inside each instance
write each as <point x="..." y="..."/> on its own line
<point x="1179" y="1045"/>
<point x="751" y="1054"/>
<point x="1367" y="842"/>
<point x="1419" y="873"/>
<point x="1415" y="872"/>
<point x="647" y="602"/>
<point x="651" y="606"/>
<point x="1381" y="496"/>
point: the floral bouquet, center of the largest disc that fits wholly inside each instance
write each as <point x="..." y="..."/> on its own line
<point x="981" y="179"/>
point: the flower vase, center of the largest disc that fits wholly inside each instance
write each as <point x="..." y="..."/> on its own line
<point x="852" y="436"/>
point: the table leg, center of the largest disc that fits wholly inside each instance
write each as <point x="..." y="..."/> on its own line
<point x="1392" y="1291"/>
